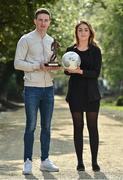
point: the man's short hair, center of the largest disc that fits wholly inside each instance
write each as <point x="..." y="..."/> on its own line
<point x="42" y="11"/>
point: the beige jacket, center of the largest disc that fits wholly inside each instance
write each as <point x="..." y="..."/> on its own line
<point x="32" y="50"/>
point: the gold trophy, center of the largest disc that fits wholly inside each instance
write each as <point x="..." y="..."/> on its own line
<point x="53" y="60"/>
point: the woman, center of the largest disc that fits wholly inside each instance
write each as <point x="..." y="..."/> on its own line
<point x="83" y="94"/>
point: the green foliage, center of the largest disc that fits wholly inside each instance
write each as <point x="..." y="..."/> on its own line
<point x="111" y="38"/>
<point x="14" y="23"/>
<point x="16" y="17"/>
<point x="106" y="16"/>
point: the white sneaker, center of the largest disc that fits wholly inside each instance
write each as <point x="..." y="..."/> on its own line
<point x="48" y="165"/>
<point x="27" y="169"/>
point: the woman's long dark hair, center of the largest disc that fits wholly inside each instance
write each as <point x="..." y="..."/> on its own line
<point x="91" y="40"/>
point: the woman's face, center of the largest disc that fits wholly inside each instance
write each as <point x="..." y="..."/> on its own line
<point x="83" y="32"/>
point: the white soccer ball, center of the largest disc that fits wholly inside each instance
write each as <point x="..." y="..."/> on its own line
<point x="71" y="60"/>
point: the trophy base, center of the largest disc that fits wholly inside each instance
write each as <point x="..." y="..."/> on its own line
<point x="52" y="64"/>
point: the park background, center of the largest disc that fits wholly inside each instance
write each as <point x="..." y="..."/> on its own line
<point x="106" y="16"/>
<point x="16" y="19"/>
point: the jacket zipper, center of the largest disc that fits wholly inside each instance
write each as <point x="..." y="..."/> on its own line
<point x="43" y="60"/>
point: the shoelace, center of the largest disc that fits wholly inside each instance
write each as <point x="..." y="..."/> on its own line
<point x="27" y="164"/>
<point x="50" y="162"/>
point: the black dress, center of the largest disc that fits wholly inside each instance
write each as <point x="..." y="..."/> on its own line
<point x="83" y="93"/>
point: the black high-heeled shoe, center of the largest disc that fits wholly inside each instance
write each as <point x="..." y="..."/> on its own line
<point x="80" y="167"/>
<point x="95" y="167"/>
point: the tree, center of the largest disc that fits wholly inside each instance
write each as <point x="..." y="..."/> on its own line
<point x="112" y="42"/>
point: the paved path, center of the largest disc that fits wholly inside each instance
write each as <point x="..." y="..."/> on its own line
<point x="62" y="149"/>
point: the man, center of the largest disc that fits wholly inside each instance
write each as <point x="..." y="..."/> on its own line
<point x="33" y="51"/>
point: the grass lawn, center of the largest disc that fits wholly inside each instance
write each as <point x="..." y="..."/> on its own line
<point x="110" y="103"/>
<point x="109" y="108"/>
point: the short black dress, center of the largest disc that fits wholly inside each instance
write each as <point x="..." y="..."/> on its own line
<point x="83" y="93"/>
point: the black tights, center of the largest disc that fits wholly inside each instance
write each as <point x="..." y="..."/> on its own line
<point x="92" y="125"/>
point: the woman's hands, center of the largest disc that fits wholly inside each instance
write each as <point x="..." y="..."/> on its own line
<point x="78" y="70"/>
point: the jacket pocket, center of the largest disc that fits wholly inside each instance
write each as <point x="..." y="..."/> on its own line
<point x="35" y="76"/>
<point x="27" y="76"/>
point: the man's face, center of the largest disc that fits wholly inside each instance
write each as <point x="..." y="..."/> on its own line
<point x="42" y="22"/>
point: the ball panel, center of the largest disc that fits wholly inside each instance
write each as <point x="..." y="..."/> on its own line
<point x="71" y="60"/>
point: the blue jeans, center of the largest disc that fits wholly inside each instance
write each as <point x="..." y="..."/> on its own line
<point x="42" y="99"/>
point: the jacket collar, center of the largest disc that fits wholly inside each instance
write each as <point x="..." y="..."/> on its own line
<point x="38" y="34"/>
